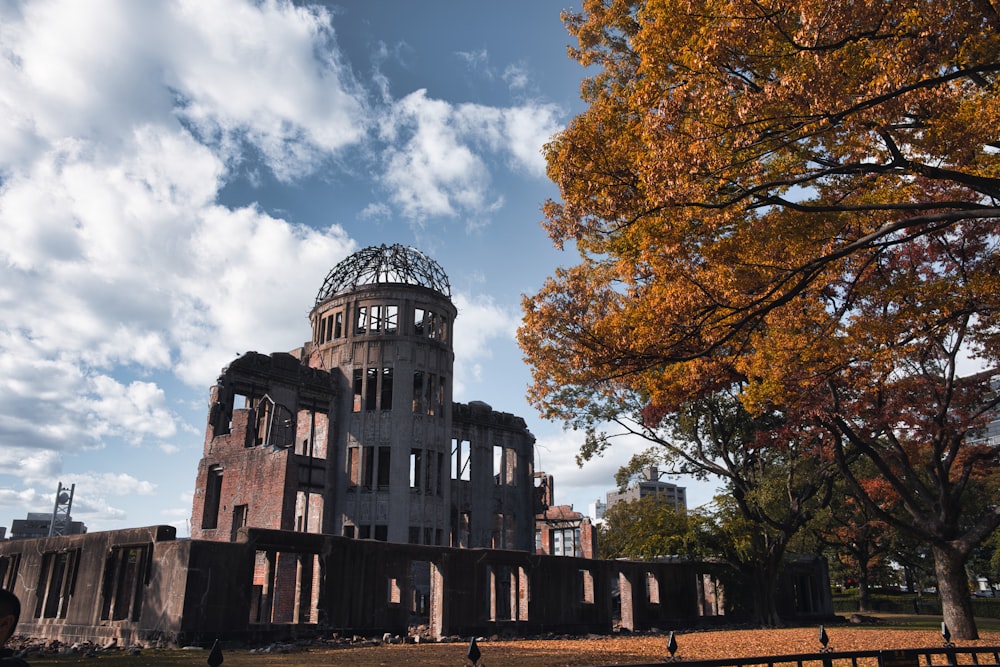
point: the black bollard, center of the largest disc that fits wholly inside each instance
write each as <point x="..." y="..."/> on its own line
<point x="473" y="654"/>
<point x="672" y="647"/>
<point x="215" y="656"/>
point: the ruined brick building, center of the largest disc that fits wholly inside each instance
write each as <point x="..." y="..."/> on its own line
<point x="355" y="433"/>
<point x="341" y="490"/>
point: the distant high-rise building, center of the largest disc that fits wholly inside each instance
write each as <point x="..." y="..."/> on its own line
<point x="648" y="486"/>
<point x="597" y="510"/>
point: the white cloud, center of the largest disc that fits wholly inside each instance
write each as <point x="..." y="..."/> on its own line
<point x="32" y="465"/>
<point x="117" y="264"/>
<point x="121" y="272"/>
<point x="16" y="499"/>
<point x="268" y="73"/>
<point x="516" y="77"/>
<point x="438" y="160"/>
<point x="130" y="411"/>
<point x="478" y="60"/>
<point x="480" y="321"/>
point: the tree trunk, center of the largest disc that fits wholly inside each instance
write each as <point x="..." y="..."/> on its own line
<point x="864" y="602"/>
<point x="763" y="582"/>
<point x="765" y="612"/>
<point x="953" y="589"/>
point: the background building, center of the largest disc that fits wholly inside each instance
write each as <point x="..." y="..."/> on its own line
<point x="38" y="524"/>
<point x="559" y="530"/>
<point x="649" y="485"/>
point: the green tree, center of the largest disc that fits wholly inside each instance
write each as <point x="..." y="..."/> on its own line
<point x="647" y="528"/>
<point x="801" y="198"/>
<point x="775" y="481"/>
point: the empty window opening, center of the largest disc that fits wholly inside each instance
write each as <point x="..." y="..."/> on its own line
<point x="497" y="534"/>
<point x="353" y="466"/>
<point x="327" y="327"/>
<point x="213" y="496"/>
<point x="275" y="424"/>
<point x="9" y="565"/>
<point x="338" y="324"/>
<point x="460" y="529"/>
<point x="587" y="586"/>
<point x="126" y="573"/>
<point x="367" y="467"/>
<point x="498" y="462"/>
<point x="385" y="399"/>
<point x="439" y="397"/>
<point x="419" y="591"/>
<point x="239" y="520"/>
<point x="566" y="542"/>
<point x="361" y="321"/>
<point x="503" y="591"/>
<point x="416" y="468"/>
<point x="429" y="324"/>
<point x="56" y="581"/>
<point x="371" y="388"/>
<point x="395" y="593"/>
<point x="359" y="466"/>
<point x="382" y="533"/>
<point x="391" y="319"/>
<point x="418" y="392"/>
<point x="652" y="588"/>
<point x="421" y="321"/>
<point x="358" y="384"/>
<point x="460" y="454"/>
<point x="384" y="319"/>
<point x="384" y="454"/>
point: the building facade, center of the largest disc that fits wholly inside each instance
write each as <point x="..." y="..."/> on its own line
<point x="356" y="434"/>
<point x="648" y="485"/>
<point x="39" y="524"/>
<point x="559" y="529"/>
<point x="142" y="585"/>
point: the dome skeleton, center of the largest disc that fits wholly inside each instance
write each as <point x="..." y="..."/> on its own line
<point x="384" y="265"/>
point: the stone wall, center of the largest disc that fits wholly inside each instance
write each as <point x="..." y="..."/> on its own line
<point x="143" y="585"/>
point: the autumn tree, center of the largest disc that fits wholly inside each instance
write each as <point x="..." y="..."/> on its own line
<point x="800" y="198"/>
<point x="859" y="541"/>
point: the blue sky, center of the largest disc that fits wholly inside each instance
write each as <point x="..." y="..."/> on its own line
<point x="177" y="178"/>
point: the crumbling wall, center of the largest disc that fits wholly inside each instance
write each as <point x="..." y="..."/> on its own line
<point x="142" y="585"/>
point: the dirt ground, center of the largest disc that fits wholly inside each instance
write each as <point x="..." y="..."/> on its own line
<point x="594" y="650"/>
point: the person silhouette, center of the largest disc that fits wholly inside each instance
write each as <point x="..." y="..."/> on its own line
<point x="10" y="612"/>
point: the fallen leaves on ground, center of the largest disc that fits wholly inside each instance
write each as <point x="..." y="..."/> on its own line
<point x="618" y="650"/>
<point x="592" y="650"/>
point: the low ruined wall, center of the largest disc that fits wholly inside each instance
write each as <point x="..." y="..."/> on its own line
<point x="144" y="586"/>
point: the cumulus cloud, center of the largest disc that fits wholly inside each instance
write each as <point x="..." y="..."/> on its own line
<point x="122" y="123"/>
<point x="438" y="160"/>
<point x="121" y="271"/>
<point x="481" y="321"/>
